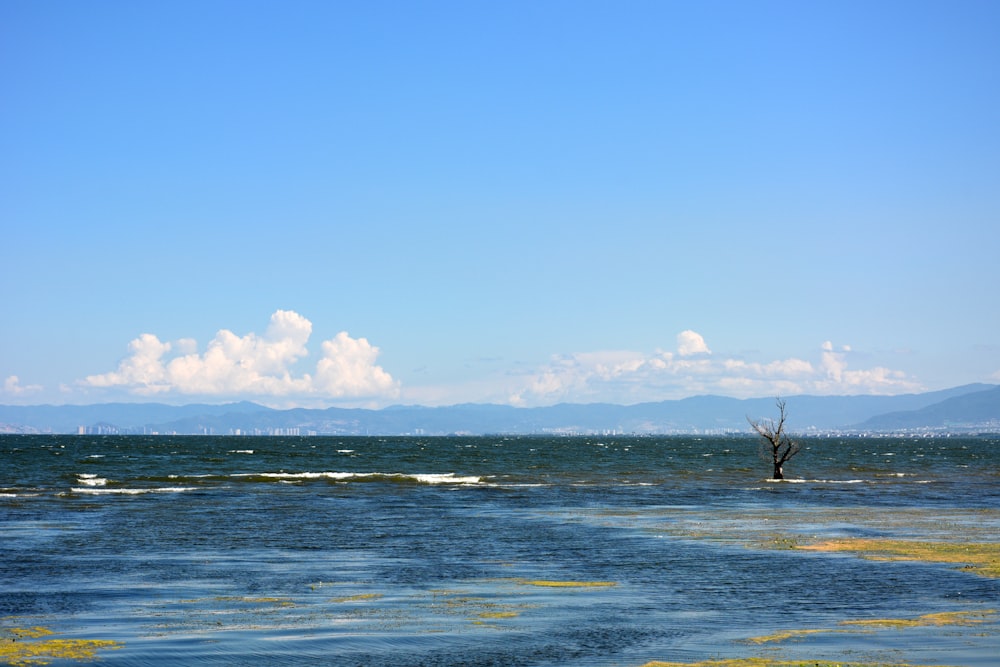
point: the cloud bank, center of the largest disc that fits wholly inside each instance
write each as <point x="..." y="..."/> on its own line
<point x="691" y="369"/>
<point x="279" y="369"/>
<point x="251" y="366"/>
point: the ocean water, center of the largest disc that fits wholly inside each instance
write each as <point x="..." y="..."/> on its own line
<point x="591" y="551"/>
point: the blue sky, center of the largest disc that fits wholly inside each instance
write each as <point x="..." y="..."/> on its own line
<point x="369" y="203"/>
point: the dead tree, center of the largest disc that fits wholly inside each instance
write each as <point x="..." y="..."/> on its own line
<point x="775" y="444"/>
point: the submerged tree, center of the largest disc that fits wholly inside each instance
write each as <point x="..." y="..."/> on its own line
<point x="775" y="444"/>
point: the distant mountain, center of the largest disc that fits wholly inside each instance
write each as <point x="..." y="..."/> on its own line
<point x="975" y="406"/>
<point x="974" y="410"/>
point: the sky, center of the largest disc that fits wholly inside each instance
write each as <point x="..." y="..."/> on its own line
<point x="368" y="203"/>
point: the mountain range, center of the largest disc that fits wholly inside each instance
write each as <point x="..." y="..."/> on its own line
<point x="969" y="408"/>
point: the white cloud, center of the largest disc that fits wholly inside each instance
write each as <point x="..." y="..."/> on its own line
<point x="251" y="365"/>
<point x="272" y="368"/>
<point x="780" y="368"/>
<point x="348" y="369"/>
<point x="143" y="368"/>
<point x="12" y="386"/>
<point x="690" y="343"/>
<point x="833" y="363"/>
<point x="839" y="379"/>
<point x="623" y="376"/>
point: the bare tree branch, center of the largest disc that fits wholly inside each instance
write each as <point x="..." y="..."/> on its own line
<point x="775" y="443"/>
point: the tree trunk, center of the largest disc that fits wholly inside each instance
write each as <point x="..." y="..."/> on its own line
<point x="777" y="471"/>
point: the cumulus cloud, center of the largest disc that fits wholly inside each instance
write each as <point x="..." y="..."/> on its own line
<point x="251" y="365"/>
<point x="143" y="369"/>
<point x="690" y="343"/>
<point x="623" y="376"/>
<point x="274" y="367"/>
<point x="348" y="369"/>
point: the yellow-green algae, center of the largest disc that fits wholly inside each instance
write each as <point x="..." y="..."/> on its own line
<point x="475" y="608"/>
<point x="280" y="601"/>
<point x="946" y="618"/>
<point x="242" y="599"/>
<point x="498" y="614"/>
<point x="782" y="636"/>
<point x="33" y="633"/>
<point x="567" y="584"/>
<point x="34" y="646"/>
<point x="761" y="529"/>
<point x="938" y="619"/>
<point x="982" y="558"/>
<point x="360" y="597"/>
<point x="770" y="662"/>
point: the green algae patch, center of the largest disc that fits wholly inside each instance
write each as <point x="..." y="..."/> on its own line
<point x="567" y="584"/>
<point x="34" y="646"/>
<point x="982" y="558"/>
<point x="939" y="619"/>
<point x="242" y="599"/>
<point x="33" y="633"/>
<point x="475" y="608"/>
<point x="498" y="614"/>
<point x="360" y="597"/>
<point x="782" y="636"/>
<point x="769" y="662"/>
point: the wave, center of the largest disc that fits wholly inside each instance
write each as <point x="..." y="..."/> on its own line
<point x="91" y="480"/>
<point x="91" y="484"/>
<point x="426" y="478"/>
<point x="131" y="492"/>
<point x="798" y="480"/>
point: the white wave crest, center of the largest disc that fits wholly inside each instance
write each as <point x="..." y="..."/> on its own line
<point x="91" y="480"/>
<point x="446" y="478"/>
<point x="132" y="492"/>
<point x="430" y="478"/>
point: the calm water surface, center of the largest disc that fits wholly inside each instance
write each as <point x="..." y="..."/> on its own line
<point x="447" y="551"/>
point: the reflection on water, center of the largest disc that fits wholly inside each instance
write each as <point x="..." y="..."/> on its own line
<point x="491" y="551"/>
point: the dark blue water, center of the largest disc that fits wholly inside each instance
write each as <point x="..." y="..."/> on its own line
<point x="447" y="551"/>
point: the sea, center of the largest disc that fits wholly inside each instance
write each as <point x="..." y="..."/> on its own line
<point x="490" y="551"/>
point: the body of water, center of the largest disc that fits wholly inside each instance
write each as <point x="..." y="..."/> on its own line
<point x="588" y="551"/>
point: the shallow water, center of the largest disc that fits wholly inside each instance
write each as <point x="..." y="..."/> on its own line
<point x="446" y="551"/>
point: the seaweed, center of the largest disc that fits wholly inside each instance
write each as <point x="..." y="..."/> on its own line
<point x="982" y="558"/>
<point x="36" y="646"/>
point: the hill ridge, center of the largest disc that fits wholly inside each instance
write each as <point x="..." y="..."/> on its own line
<point x="968" y="407"/>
